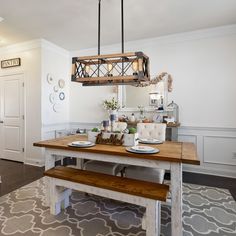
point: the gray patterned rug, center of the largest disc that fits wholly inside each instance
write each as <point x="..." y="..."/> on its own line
<point x="207" y="211"/>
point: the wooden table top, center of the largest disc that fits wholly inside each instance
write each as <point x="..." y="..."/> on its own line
<point x="169" y="151"/>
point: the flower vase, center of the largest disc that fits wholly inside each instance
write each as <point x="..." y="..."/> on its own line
<point x="114" y="112"/>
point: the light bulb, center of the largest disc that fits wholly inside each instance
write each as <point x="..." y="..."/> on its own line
<point x="87" y="70"/>
<point x="109" y="68"/>
<point x="135" y="67"/>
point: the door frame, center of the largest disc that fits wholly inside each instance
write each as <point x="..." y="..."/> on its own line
<point x="23" y="135"/>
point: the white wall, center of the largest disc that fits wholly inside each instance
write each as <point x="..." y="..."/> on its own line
<point x="55" y="61"/>
<point x="30" y="54"/>
<point x="202" y="64"/>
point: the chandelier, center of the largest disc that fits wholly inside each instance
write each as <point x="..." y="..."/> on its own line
<point x="113" y="69"/>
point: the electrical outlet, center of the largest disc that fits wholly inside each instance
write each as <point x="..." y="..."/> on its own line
<point x="234" y="155"/>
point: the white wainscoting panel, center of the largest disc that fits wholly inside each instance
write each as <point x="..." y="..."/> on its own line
<point x="219" y="150"/>
<point x="216" y="148"/>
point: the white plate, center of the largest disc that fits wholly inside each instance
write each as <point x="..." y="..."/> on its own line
<point x="52" y="98"/>
<point x="129" y="149"/>
<point x="61" y="83"/>
<point x="81" y="146"/>
<point x="150" y="141"/>
<point x="55" y="88"/>
<point x="143" y="148"/>
<point x="50" y="78"/>
<point x="57" y="108"/>
<point x="82" y="143"/>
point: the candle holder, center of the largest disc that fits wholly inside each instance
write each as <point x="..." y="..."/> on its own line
<point x="105" y="125"/>
<point x="113" y="120"/>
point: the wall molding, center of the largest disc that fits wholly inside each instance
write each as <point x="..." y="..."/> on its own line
<point x="53" y="47"/>
<point x="21" y="47"/>
<point x="208" y="128"/>
<point x="33" y="44"/>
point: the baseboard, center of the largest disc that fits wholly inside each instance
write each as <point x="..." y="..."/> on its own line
<point x="34" y="162"/>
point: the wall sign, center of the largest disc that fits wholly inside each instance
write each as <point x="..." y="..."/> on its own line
<point x="10" y="63"/>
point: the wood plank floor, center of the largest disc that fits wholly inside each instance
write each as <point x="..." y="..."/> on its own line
<point x="14" y="175"/>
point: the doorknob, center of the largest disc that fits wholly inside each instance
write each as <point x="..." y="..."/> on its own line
<point x="1" y="121"/>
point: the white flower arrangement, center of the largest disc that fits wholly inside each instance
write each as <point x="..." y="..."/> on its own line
<point x="111" y="105"/>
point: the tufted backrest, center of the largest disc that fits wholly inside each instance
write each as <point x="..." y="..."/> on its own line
<point x="152" y="130"/>
<point x="119" y="126"/>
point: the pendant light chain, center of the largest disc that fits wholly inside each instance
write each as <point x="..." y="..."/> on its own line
<point x="99" y="26"/>
<point x="122" y="27"/>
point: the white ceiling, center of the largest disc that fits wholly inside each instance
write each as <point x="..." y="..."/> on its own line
<point x="72" y="24"/>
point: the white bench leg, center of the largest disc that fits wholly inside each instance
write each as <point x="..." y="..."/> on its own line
<point x="66" y="198"/>
<point x="55" y="203"/>
<point x="153" y="218"/>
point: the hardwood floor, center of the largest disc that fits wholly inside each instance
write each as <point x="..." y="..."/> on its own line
<point x="15" y="174"/>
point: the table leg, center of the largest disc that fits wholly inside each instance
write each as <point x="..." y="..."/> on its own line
<point x="49" y="163"/>
<point x="176" y="199"/>
<point x="153" y="218"/>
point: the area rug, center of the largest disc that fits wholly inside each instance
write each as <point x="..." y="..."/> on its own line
<point x="206" y="211"/>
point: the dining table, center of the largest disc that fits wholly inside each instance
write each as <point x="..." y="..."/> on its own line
<point x="171" y="156"/>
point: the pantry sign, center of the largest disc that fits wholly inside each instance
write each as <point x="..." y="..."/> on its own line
<point x="11" y="63"/>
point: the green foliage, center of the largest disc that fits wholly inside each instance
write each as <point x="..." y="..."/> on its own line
<point x="111" y="104"/>
<point x="132" y="130"/>
<point x="95" y="130"/>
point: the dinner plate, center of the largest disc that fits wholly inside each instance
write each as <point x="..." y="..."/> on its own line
<point x="142" y="148"/>
<point x="129" y="149"/>
<point x="150" y="141"/>
<point x="81" y="144"/>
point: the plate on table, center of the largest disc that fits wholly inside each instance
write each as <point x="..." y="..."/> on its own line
<point x="150" y="141"/>
<point x="142" y="149"/>
<point x="81" y="144"/>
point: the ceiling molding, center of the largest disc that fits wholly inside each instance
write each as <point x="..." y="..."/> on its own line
<point x="21" y="47"/>
<point x="173" y="38"/>
<point x="54" y="48"/>
<point x="33" y="44"/>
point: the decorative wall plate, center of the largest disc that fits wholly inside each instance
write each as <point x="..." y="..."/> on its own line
<point x="61" y="83"/>
<point x="55" y="88"/>
<point x="57" y="108"/>
<point x="61" y="96"/>
<point x="49" y="78"/>
<point x="52" y="98"/>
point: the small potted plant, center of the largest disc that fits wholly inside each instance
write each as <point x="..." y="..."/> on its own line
<point x="131" y="137"/>
<point x="92" y="135"/>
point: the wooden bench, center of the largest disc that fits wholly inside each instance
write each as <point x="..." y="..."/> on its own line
<point x="133" y="191"/>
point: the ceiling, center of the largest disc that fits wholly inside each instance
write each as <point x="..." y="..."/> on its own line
<point x="72" y="24"/>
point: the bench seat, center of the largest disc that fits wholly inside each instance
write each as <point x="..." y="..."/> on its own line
<point x="115" y="183"/>
<point x="133" y="191"/>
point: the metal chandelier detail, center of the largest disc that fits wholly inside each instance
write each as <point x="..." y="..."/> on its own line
<point x="112" y="69"/>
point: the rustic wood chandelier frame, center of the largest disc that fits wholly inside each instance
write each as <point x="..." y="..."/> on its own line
<point x="112" y="69"/>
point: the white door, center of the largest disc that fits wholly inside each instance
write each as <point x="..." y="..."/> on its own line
<point x="12" y="117"/>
